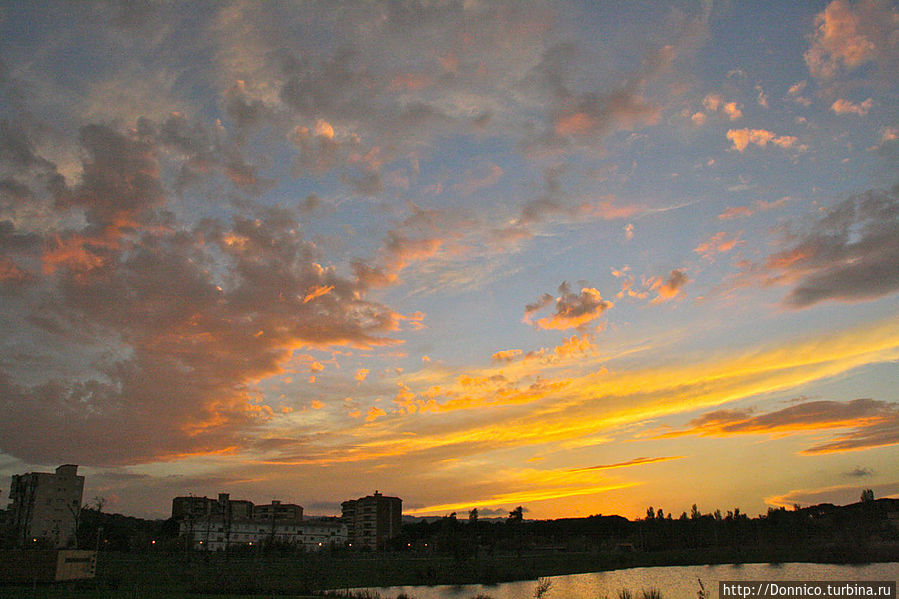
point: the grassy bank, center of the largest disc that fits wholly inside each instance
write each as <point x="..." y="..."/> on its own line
<point x="140" y="575"/>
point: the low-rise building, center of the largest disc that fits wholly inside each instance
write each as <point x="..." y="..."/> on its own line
<point x="218" y="524"/>
<point x="217" y="534"/>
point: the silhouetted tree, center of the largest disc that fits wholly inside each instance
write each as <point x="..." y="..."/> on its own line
<point x="867" y="495"/>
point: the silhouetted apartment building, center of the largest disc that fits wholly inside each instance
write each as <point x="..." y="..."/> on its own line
<point x="372" y="520"/>
<point x="279" y="512"/>
<point x="197" y="508"/>
<point x="44" y="507"/>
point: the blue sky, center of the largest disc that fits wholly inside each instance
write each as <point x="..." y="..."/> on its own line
<point x="578" y="257"/>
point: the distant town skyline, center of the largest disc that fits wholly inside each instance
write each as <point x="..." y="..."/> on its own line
<point x="581" y="257"/>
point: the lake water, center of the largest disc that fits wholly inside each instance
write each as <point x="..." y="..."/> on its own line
<point x="675" y="582"/>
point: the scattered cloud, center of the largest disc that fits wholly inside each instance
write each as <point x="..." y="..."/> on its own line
<point x="741" y="138"/>
<point x="795" y="93"/>
<point x="732" y="212"/>
<point x="572" y="310"/>
<point x="849" y="35"/>
<point x="715" y="103"/>
<point x="735" y="212"/>
<point x="669" y="287"/>
<point x="507" y="355"/>
<point x="480" y="179"/>
<point x="842" y="106"/>
<point x="859" y="472"/>
<point x="374" y="413"/>
<point x="762" y="97"/>
<point x="718" y="243"/>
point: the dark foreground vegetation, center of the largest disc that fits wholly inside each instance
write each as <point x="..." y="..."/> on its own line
<point x="141" y="558"/>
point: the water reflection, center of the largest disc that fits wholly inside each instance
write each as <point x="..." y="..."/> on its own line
<point x="676" y="582"/>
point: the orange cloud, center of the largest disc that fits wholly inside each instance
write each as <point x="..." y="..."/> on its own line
<point x="718" y="243"/>
<point x="533" y="485"/>
<point x="374" y="413"/>
<point x="734" y="212"/>
<point x="575" y="345"/>
<point x="842" y="106"/>
<point x="9" y="271"/>
<point x="873" y="423"/>
<point x="410" y="81"/>
<point x="507" y="355"/>
<point x="574" y="408"/>
<point x="317" y="291"/>
<point x="578" y="123"/>
<point x="716" y="103"/>
<point x="629" y="463"/>
<point x="741" y="138"/>
<point x="323" y="129"/>
<point x="669" y="287"/>
<point x="572" y="310"/>
<point x="848" y="36"/>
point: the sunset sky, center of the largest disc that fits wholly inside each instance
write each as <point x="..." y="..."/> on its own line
<point x="583" y="257"/>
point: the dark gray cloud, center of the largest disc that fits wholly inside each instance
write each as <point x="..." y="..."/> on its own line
<point x="849" y="254"/>
<point x="866" y="423"/>
<point x="859" y="472"/>
<point x="189" y="315"/>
